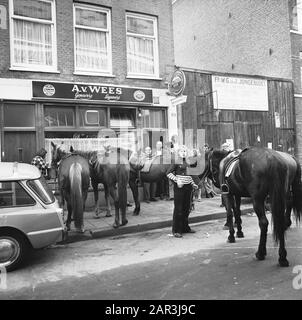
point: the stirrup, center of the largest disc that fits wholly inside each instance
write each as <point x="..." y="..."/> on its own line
<point x="224" y="189"/>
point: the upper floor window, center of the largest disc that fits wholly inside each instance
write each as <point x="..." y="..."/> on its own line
<point x="296" y="15"/>
<point x="142" y="45"/>
<point x="33" y="35"/>
<point x="92" y="39"/>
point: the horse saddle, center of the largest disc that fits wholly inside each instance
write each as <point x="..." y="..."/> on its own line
<point x="231" y="162"/>
<point x="147" y="164"/>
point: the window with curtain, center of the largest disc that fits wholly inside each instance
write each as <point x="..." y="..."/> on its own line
<point x="92" y="39"/>
<point x="142" y="46"/>
<point x="296" y="15"/>
<point x="153" y="118"/>
<point x="33" y="35"/>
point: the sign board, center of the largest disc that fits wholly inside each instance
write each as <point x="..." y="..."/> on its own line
<point x="240" y="93"/>
<point x="177" y="83"/>
<point x="91" y="92"/>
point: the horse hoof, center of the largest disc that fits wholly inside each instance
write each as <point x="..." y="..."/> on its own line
<point x="96" y="216"/>
<point x="231" y="239"/>
<point x="115" y="225"/>
<point x="80" y="230"/>
<point x="108" y="215"/>
<point x="135" y="213"/>
<point x="240" y="234"/>
<point x="283" y="263"/>
<point x="260" y="256"/>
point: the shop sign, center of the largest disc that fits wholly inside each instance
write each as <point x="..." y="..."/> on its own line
<point x="177" y="83"/>
<point x="236" y="93"/>
<point x="92" y="92"/>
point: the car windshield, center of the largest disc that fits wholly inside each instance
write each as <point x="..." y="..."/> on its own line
<point x="41" y="189"/>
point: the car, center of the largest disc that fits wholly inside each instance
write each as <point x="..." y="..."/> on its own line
<point x="30" y="217"/>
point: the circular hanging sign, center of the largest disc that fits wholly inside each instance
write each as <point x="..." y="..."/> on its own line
<point x="177" y="83"/>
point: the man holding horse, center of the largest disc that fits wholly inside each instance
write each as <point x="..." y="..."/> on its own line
<point x="183" y="187"/>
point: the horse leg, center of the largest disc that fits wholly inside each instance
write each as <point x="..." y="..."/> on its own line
<point x="288" y="211"/>
<point x="229" y="204"/>
<point x="283" y="262"/>
<point x="96" y="199"/>
<point x="134" y="188"/>
<point x="68" y="222"/>
<point x="113" y="194"/>
<point x="107" y="199"/>
<point x="258" y="205"/>
<point x="237" y="213"/>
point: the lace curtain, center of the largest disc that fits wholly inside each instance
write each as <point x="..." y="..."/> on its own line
<point x="32" y="43"/>
<point x="140" y="55"/>
<point x="91" y="50"/>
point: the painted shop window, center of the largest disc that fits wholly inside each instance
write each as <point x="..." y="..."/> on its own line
<point x="142" y="45"/>
<point x="296" y="15"/>
<point x="19" y="116"/>
<point x="33" y="35"/>
<point x="92" y="39"/>
<point x="153" y="118"/>
<point x="59" y="117"/>
<point x="92" y="117"/>
<point x="122" y="118"/>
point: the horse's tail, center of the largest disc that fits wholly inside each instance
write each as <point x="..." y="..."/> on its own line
<point x="75" y="177"/>
<point x="297" y="193"/>
<point x="277" y="193"/>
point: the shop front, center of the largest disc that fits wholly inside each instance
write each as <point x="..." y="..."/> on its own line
<point x="81" y="115"/>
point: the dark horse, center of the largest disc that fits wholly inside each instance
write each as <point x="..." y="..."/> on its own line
<point x="260" y="172"/>
<point x="156" y="172"/>
<point x="73" y="181"/>
<point x="111" y="168"/>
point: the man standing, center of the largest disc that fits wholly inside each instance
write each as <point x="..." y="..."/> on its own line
<point x="39" y="162"/>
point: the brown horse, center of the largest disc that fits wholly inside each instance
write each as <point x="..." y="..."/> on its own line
<point x="73" y="181"/>
<point x="111" y="168"/>
<point x="259" y="173"/>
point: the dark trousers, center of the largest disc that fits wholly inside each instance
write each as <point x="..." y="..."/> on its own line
<point x="182" y="201"/>
<point x="149" y="190"/>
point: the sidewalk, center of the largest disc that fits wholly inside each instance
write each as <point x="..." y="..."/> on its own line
<point x="153" y="215"/>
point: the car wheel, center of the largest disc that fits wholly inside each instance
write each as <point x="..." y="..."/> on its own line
<point x="13" y="249"/>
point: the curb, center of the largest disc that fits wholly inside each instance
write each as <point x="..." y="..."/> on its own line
<point x="102" y="233"/>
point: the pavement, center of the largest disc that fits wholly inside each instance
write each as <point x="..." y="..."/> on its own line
<point x="153" y="215"/>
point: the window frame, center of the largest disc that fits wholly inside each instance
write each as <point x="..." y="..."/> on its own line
<point x="18" y="182"/>
<point x="52" y="23"/>
<point x="108" y="32"/>
<point x="154" y="19"/>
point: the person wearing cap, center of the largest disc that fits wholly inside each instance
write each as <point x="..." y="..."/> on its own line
<point x="183" y="187"/>
<point x="39" y="162"/>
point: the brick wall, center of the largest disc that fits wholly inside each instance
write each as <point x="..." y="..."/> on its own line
<point x="64" y="14"/>
<point x="243" y="37"/>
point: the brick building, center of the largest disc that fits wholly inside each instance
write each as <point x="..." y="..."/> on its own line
<point x="70" y="69"/>
<point x="237" y="59"/>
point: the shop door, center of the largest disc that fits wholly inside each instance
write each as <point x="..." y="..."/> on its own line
<point x="19" y="146"/>
<point x="150" y="137"/>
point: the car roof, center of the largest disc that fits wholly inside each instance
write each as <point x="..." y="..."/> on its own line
<point x="11" y="171"/>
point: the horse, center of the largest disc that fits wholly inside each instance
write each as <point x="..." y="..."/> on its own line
<point x="157" y="171"/>
<point x="73" y="181"/>
<point x="258" y="174"/>
<point x="111" y="168"/>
